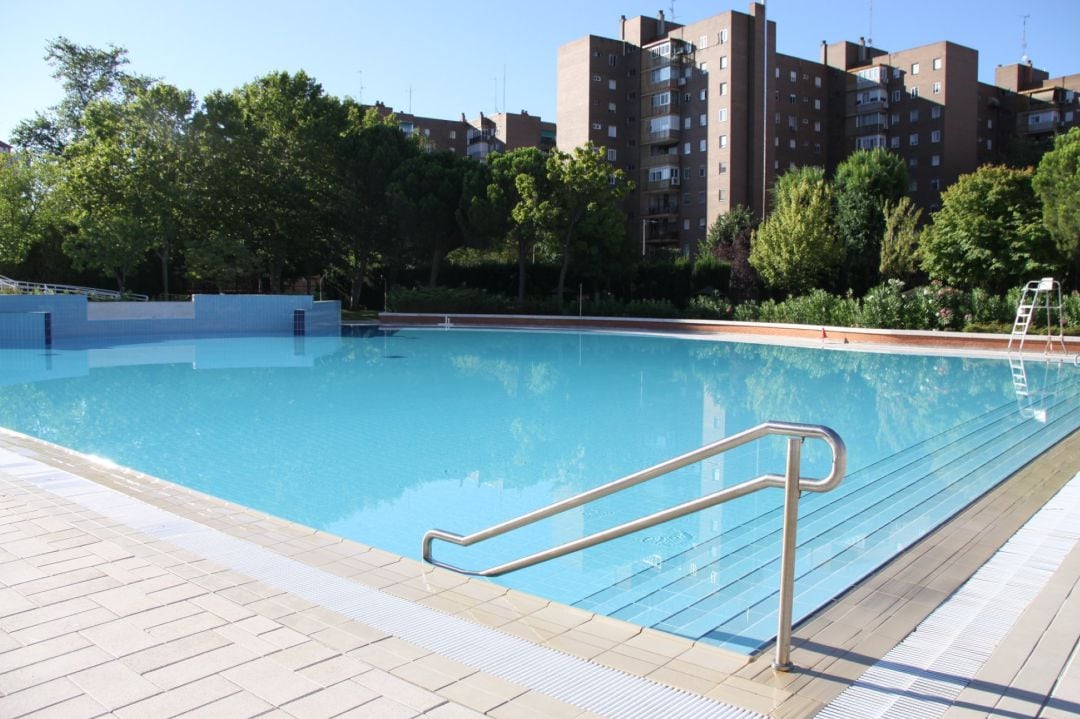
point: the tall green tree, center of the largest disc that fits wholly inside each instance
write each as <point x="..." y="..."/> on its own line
<point x="797" y="247"/>
<point x="900" y="244"/>
<point x="864" y="183"/>
<point x="87" y="75"/>
<point x="989" y="232"/>
<point x="30" y="204"/>
<point x="1057" y="185"/>
<point x="724" y="231"/>
<point x="426" y="196"/>
<point x="491" y="210"/>
<point x="579" y="214"/>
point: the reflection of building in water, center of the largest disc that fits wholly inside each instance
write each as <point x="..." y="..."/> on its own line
<point x="713" y="428"/>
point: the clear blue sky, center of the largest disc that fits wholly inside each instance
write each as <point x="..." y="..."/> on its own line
<point x="453" y="55"/>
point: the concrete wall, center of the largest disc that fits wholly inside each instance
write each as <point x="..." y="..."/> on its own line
<point x="73" y="318"/>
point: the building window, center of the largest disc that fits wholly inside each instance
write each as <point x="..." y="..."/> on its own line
<point x="721" y="114"/>
<point x="612" y="130"/>
<point x="791" y="144"/>
<point x="686" y="224"/>
<point x="701" y="220"/>
<point x="792" y="75"/>
<point x="703" y="94"/>
<point x="660" y="99"/>
<point x="722" y="168"/>
<point x="701" y="171"/>
<point x="723" y="88"/>
<point x="722" y="36"/>
<point x="687" y="97"/>
<point x="453" y="134"/>
<point x="701" y="120"/>
<point x="703" y="67"/>
<point x="935" y="136"/>
<point x="611" y="107"/>
<point x="914" y="68"/>
<point x="896" y="73"/>
<point x="723" y="141"/>
<point x="817" y="104"/>
<point x="792" y="123"/>
<point x="895" y="118"/>
<point x="686" y="148"/>
<point x="913" y="186"/>
<point x="935" y="112"/>
<point x="701" y="198"/>
<point x="686" y="123"/>
<point x="611" y="84"/>
<point x="817" y="126"/>
<point x="935" y="184"/>
<point x="914" y="91"/>
<point x="792" y="99"/>
<point x="896" y="96"/>
<point x="913" y="162"/>
<point x="913" y="139"/>
<point x="937" y="63"/>
<point x="597" y="126"/>
<point x="723" y="62"/>
<point x="720" y="195"/>
<point x="935" y="160"/>
<point x="703" y="144"/>
<point x="913" y="116"/>
<point x="703" y="42"/>
<point x="989" y="144"/>
<point x="990" y="123"/>
<point x="1068" y="116"/>
<point x="817" y="81"/>
<point x="817" y="148"/>
<point x="937" y="88"/>
<point x="597" y="78"/>
<point x="611" y="155"/>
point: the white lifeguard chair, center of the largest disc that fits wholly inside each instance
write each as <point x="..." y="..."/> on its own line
<point x="1038" y="295"/>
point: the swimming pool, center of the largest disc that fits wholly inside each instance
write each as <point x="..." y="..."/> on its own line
<point x="380" y="438"/>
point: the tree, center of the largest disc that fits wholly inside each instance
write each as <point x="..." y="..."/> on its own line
<point x="491" y="212"/>
<point x="900" y="244"/>
<point x="426" y="197"/>
<point x="29" y="203"/>
<point x="864" y="183"/>
<point x="724" y="231"/>
<point x="579" y="214"/>
<point x="989" y="232"/>
<point x="1057" y="184"/>
<point x="88" y="75"/>
<point x="797" y="247"/>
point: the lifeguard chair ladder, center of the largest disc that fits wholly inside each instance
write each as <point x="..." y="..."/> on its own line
<point x="1048" y="290"/>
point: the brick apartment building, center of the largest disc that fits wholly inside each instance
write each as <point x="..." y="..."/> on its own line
<point x="704" y="116"/>
<point x="480" y="137"/>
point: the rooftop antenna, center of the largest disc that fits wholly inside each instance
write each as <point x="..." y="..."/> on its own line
<point x="410" y="99"/>
<point x="495" y="80"/>
<point x="1023" y="39"/>
<point x="360" y="97"/>
<point x="672" y="10"/>
<point x="870" y="33"/>
<point x="504" y="87"/>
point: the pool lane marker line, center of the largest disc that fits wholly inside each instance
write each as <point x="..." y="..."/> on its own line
<point x="591" y="687"/>
<point x="923" y="675"/>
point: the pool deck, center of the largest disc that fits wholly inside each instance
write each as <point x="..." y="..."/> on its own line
<point x="99" y="618"/>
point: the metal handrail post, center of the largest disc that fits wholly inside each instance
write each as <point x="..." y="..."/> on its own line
<point x="782" y="662"/>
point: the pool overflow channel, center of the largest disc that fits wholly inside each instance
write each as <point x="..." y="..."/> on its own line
<point x="792" y="482"/>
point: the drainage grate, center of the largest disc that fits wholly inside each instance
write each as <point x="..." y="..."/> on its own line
<point x="923" y="675"/>
<point x="594" y="688"/>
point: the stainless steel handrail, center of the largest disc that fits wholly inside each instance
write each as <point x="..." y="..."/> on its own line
<point x="46" y="288"/>
<point x="792" y="482"/>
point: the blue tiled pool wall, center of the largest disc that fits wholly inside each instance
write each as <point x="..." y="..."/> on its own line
<point x="23" y="317"/>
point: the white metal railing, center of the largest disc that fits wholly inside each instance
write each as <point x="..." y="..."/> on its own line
<point x="791" y="481"/>
<point x="46" y="288"/>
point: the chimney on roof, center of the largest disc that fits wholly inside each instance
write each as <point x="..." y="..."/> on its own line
<point x="862" y="49"/>
<point x="661" y="27"/>
<point x="622" y="28"/>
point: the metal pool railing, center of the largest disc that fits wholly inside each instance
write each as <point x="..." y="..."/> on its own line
<point x="9" y="285"/>
<point x="792" y="482"/>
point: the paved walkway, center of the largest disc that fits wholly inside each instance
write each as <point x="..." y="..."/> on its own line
<point x="97" y="618"/>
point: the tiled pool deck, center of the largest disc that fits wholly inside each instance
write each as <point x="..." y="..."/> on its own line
<point x="97" y="617"/>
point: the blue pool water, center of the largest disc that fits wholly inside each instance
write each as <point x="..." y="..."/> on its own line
<point x="381" y="438"/>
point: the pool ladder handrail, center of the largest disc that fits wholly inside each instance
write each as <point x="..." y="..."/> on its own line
<point x="791" y="481"/>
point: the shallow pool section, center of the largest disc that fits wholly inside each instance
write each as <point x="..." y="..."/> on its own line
<point x="380" y="438"/>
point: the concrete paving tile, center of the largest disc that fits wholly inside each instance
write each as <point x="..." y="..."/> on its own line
<point x="283" y="638"/>
<point x="270" y="681"/>
<point x="334" y="670"/>
<point x="385" y="684"/>
<point x="120" y="637"/>
<point x="13" y="602"/>
<point x="240" y="705"/>
<point x="80" y="707"/>
<point x="63" y="625"/>
<point x="301" y="623"/>
<point x="257" y="625"/>
<point x="16" y="704"/>
<point x="19" y="571"/>
<point x="25" y="655"/>
<point x="71" y="591"/>
<point x="229" y="611"/>
<point x="383" y="708"/>
<point x="200" y="666"/>
<point x="331" y="701"/>
<point x="186" y="698"/>
<point x="303" y="655"/>
<point x="536" y="705"/>
<point x="52" y="668"/>
<point x="186" y="626"/>
<point x="30" y="615"/>
<point x="114" y="684"/>
<point x="125" y="600"/>
<point x="164" y="654"/>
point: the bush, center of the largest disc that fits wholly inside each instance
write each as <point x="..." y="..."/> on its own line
<point x="445" y="299"/>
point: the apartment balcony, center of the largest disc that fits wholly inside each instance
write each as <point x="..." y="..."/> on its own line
<point x="1038" y="122"/>
<point x="662" y="210"/>
<point x="672" y="83"/>
<point x="666" y="184"/>
<point x="659" y="137"/>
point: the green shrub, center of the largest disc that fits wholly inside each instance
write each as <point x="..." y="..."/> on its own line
<point x="446" y="299"/>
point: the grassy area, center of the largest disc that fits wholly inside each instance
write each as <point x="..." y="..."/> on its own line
<point x="358" y="315"/>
